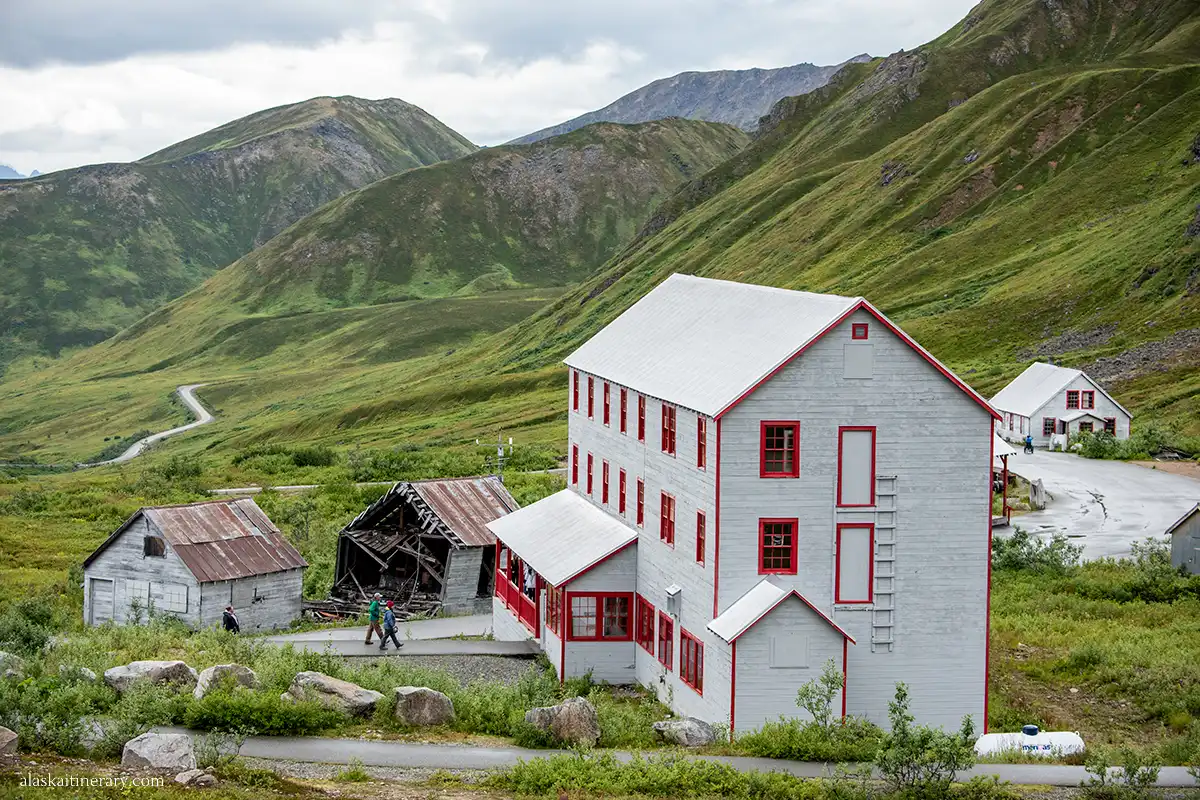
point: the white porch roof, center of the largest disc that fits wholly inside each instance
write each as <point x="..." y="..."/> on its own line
<point x="562" y="535"/>
<point x="756" y="604"/>
<point x="1081" y="415"/>
<point x="1001" y="448"/>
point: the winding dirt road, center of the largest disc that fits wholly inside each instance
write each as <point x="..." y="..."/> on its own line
<point x="188" y="395"/>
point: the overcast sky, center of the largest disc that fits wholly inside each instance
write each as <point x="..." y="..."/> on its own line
<point x="87" y="81"/>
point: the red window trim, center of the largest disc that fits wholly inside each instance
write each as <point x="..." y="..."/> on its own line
<point x="607" y="404"/>
<point x="1053" y="426"/>
<point x="591" y="397"/>
<point x="575" y="464"/>
<point x="641" y="417"/>
<point x="1091" y="427"/>
<point x="837" y="579"/>
<point x="589" y="474"/>
<point x="1090" y="397"/>
<point x="794" y="546"/>
<point x="621" y="492"/>
<point x="641" y="503"/>
<point x="554" y="609"/>
<point x="669" y="423"/>
<point x="874" y="437"/>
<point x="762" y="448"/>
<point x="575" y="391"/>
<point x="860" y="330"/>
<point x="691" y="671"/>
<point x="1113" y="426"/>
<point x="701" y="442"/>
<point x="701" y="536"/>
<point x="1076" y="406"/>
<point x="600" y="597"/>
<point x="604" y="482"/>
<point x="666" y="521"/>
<point x="644" y="637"/>
<point x="624" y="410"/>
<point x="666" y="625"/>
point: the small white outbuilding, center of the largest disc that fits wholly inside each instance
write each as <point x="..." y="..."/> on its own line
<point x="1185" y="541"/>
<point x="1050" y="403"/>
<point x="190" y="561"/>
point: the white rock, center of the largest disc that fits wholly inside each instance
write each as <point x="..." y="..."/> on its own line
<point x="8" y="742"/>
<point x="418" y="706"/>
<point x="174" y="673"/>
<point x="184" y="778"/>
<point x="688" y="732"/>
<point x="205" y="780"/>
<point x="171" y="751"/>
<point x="215" y="675"/>
<point x="574" y="720"/>
<point x="334" y="693"/>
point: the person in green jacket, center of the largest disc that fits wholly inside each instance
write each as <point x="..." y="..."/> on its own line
<point x="373" y="616"/>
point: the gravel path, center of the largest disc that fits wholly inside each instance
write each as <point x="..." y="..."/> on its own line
<point x="467" y="669"/>
<point x="300" y="770"/>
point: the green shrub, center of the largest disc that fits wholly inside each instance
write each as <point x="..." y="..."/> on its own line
<point x="259" y="713"/>
<point x="918" y="759"/>
<point x="1024" y="551"/>
<point x="318" y="456"/>
<point x="354" y="773"/>
<point x="1135" y="774"/>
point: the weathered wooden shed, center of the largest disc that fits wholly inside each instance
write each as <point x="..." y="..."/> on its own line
<point x="190" y="561"/>
<point x="1185" y="541"/>
<point x="425" y="544"/>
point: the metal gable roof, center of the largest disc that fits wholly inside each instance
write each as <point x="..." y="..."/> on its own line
<point x="220" y="539"/>
<point x="1038" y="384"/>
<point x="562" y="536"/>
<point x="701" y="343"/>
<point x="467" y="505"/>
<point x="1179" y="523"/>
<point x="755" y="604"/>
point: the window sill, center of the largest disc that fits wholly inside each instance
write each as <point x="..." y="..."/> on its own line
<point x="778" y="475"/>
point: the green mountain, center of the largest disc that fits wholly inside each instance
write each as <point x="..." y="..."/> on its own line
<point x="85" y="252"/>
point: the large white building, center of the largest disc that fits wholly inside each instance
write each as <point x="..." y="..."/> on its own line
<point x="1046" y="401"/>
<point x="761" y="481"/>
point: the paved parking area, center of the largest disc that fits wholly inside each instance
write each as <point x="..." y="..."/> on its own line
<point x="1103" y="505"/>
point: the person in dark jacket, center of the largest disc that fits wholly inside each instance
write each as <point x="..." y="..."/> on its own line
<point x="230" y="621"/>
<point x="389" y="629"/>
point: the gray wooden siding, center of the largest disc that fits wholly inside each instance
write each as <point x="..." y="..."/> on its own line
<point x="261" y="602"/>
<point x="609" y="662"/>
<point x="787" y="648"/>
<point x="153" y="580"/>
<point x="936" y="441"/>
<point x="505" y="625"/>
<point x="552" y="647"/>
<point x="1056" y="408"/>
<point x="462" y="580"/>
<point x="616" y="574"/>
<point x="1185" y="545"/>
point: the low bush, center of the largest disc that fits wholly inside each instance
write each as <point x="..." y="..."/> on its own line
<point x="1024" y="551"/>
<point x="1134" y="776"/>
<point x="255" y="712"/>
<point x="354" y="773"/>
<point x="920" y="760"/>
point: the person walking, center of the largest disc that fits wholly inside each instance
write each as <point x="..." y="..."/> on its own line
<point x="373" y="617"/>
<point x="389" y="629"/>
<point x="230" y="621"/>
<point x="1029" y="443"/>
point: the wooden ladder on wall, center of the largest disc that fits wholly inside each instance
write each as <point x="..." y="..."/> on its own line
<point x="883" y="612"/>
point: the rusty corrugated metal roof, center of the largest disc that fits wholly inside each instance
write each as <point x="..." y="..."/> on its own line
<point x="220" y="539"/>
<point x="467" y="505"/>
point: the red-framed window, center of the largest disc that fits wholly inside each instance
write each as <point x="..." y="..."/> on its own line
<point x="1048" y="425"/>
<point x="589" y="474"/>
<point x="666" y="520"/>
<point x="668" y="429"/>
<point x="641" y="418"/>
<point x="1110" y="425"/>
<point x="701" y="442"/>
<point x="645" y="624"/>
<point x="1085" y="427"/>
<point x="607" y="404"/>
<point x="856" y="466"/>
<point x="854" y="573"/>
<point x="591" y="397"/>
<point x="1073" y="399"/>
<point x="860" y="330"/>
<point x="604" y="483"/>
<point x="575" y="464"/>
<point x="624" y="411"/>
<point x="600" y="616"/>
<point x="700" y="536"/>
<point x="780" y="450"/>
<point x="1089" y="399"/>
<point x="554" y="609"/>
<point x="575" y="391"/>
<point x="666" y="641"/>
<point x="691" y="661"/>
<point x="777" y="546"/>
<point x="641" y="503"/>
<point x="621" y="492"/>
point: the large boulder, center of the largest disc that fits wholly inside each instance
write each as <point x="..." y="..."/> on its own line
<point x="334" y="693"/>
<point x="171" y="751"/>
<point x="214" y="676"/>
<point x="8" y="742"/>
<point x="573" y="721"/>
<point x="688" y="732"/>
<point x="417" y="705"/>
<point x="166" y="673"/>
<point x="11" y="666"/>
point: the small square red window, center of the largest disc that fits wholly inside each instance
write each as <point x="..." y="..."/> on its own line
<point x="1073" y="399"/>
<point x="777" y="546"/>
<point x="1048" y="425"/>
<point x="1110" y="425"/>
<point x="780" y="456"/>
<point x="1089" y="399"/>
<point x="859" y="330"/>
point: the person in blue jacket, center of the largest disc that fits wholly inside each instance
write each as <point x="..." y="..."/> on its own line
<point x="389" y="628"/>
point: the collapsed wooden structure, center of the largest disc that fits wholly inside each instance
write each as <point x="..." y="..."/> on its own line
<point x="424" y="545"/>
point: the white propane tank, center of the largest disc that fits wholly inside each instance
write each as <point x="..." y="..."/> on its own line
<point x="1031" y="742"/>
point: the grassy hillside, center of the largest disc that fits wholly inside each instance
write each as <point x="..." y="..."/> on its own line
<point x="86" y="252"/>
